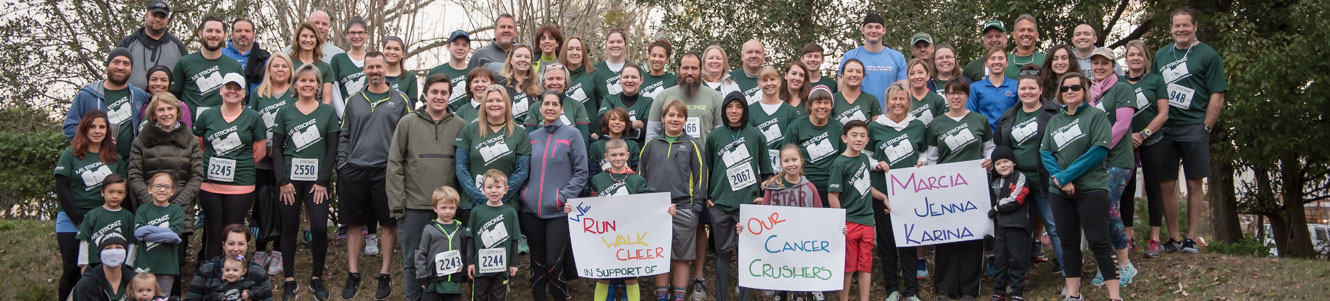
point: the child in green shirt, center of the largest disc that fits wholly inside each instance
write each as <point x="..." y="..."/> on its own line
<point x="492" y="237"/>
<point x="108" y="219"/>
<point x="157" y="227"/>
<point x="850" y="189"/>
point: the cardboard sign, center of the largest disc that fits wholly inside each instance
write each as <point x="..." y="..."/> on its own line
<point x="791" y="248"/>
<point x="621" y="236"/>
<point x="939" y="204"/>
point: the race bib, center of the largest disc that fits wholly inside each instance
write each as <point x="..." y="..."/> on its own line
<point x="493" y="260"/>
<point x="741" y="176"/>
<point x="772" y="133"/>
<point x="221" y="169"/>
<point x="820" y="150"/>
<point x="480" y="181"/>
<point x="693" y="127"/>
<point x="447" y="263"/>
<point x="1180" y="96"/>
<point x="304" y="169"/>
<point x="775" y="159"/>
<point x="494" y="236"/>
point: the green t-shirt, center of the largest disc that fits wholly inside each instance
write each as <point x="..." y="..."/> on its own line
<point x="738" y="161"/>
<point x="1014" y="62"/>
<point x="959" y="140"/>
<point x="1025" y="140"/>
<point x="99" y="223"/>
<point x="828" y="81"/>
<point x="267" y="107"/>
<point x="652" y="85"/>
<point x="307" y="136"/>
<point x="573" y="115"/>
<point x="1149" y="90"/>
<point x="85" y="177"/>
<point x="931" y="106"/>
<point x="349" y="74"/>
<point x="747" y="85"/>
<point x="407" y="84"/>
<point x="1121" y="95"/>
<point x="496" y="150"/>
<point x="458" y="79"/>
<point x="468" y="111"/>
<point x="522" y="104"/>
<point x="492" y="228"/>
<point x="197" y="80"/>
<point x="639" y="111"/>
<point x="582" y="90"/>
<point x="606" y="80"/>
<point x="974" y="71"/>
<point x="1191" y="76"/>
<point x="228" y="154"/>
<point x="159" y="258"/>
<point x="325" y="70"/>
<point x="849" y="178"/>
<point x="772" y="126"/>
<point x="819" y="146"/>
<point x="596" y="154"/>
<point x="900" y="148"/>
<point x="864" y="107"/>
<point x="1070" y="136"/>
<point x="612" y="184"/>
<point x="120" y="116"/>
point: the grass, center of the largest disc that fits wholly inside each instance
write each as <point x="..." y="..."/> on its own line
<point x="29" y="255"/>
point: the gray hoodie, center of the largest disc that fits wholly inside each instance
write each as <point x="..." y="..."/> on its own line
<point x="367" y="129"/>
<point x="558" y="169"/>
<point x="146" y="52"/>
<point x="675" y="166"/>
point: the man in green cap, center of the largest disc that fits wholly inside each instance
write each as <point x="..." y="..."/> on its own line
<point x="921" y="47"/>
<point x="995" y="35"/>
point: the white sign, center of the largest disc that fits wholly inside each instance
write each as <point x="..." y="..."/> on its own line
<point x="621" y="236"/>
<point x="791" y="248"/>
<point x="939" y="204"/>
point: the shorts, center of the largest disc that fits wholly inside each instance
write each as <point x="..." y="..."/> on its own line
<point x="724" y="236"/>
<point x="858" y="248"/>
<point x="1189" y="143"/>
<point x="684" y="240"/>
<point x="362" y="198"/>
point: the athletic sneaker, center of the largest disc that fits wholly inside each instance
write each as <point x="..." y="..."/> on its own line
<point x="289" y="290"/>
<point x="1172" y="246"/>
<point x="817" y="296"/>
<point x="997" y="297"/>
<point x="894" y="296"/>
<point x="320" y="292"/>
<point x="922" y="271"/>
<point x="1153" y="249"/>
<point x="261" y="259"/>
<point x="699" y="289"/>
<point x="1189" y="247"/>
<point x="371" y="245"/>
<point x="522" y="247"/>
<point x="352" y="286"/>
<point x="990" y="268"/>
<point x="912" y="298"/>
<point x="1070" y="298"/>
<point x="1126" y="275"/>
<point x="1098" y="279"/>
<point x="1016" y="298"/>
<point x="341" y="233"/>
<point x="385" y="287"/>
<point x="275" y="263"/>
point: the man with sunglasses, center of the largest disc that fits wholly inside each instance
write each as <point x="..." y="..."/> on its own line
<point x="1194" y="73"/>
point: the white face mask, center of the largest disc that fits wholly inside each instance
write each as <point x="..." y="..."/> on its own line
<point x="113" y="257"/>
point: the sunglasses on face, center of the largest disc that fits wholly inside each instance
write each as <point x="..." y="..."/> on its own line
<point x="1076" y="88"/>
<point x="1029" y="72"/>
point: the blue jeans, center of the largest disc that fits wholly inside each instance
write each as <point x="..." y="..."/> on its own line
<point x="1051" y="228"/>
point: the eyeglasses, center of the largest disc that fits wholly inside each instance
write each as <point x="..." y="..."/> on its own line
<point x="1076" y="88"/>
<point x="161" y="187"/>
<point x="1028" y="72"/>
<point x="614" y="30"/>
<point x="356" y="32"/>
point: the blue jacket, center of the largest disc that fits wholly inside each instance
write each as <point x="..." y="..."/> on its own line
<point x="92" y="97"/>
<point x="558" y="169"/>
<point x="992" y="101"/>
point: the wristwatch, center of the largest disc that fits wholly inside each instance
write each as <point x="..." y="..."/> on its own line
<point x="1146" y="133"/>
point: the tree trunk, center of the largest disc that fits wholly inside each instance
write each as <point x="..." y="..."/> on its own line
<point x="1299" y="243"/>
<point x="1221" y="195"/>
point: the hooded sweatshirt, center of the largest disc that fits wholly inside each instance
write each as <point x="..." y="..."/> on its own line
<point x="436" y="239"/>
<point x="558" y="169"/>
<point x="799" y="194"/>
<point x="675" y="165"/>
<point x="208" y="279"/>
<point x="146" y="52"/>
<point x="95" y="287"/>
<point x="738" y="156"/>
<point x="421" y="159"/>
<point x="93" y="97"/>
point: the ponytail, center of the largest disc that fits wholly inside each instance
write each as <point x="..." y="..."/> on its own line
<point x="780" y="173"/>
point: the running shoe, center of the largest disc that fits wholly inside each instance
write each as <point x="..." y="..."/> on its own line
<point x="699" y="289"/>
<point x="289" y="290"/>
<point x="275" y="263"/>
<point x="1126" y="275"/>
<point x="1153" y="250"/>
<point x="1070" y="298"/>
<point x="1172" y="246"/>
<point x="385" y="287"/>
<point x="261" y="259"/>
<point x="371" y="245"/>
<point x="1016" y="298"/>
<point x="352" y="286"/>
<point x="522" y="247"/>
<point x="997" y="297"/>
<point x="912" y="298"/>
<point x="818" y="296"/>
<point x="921" y="272"/>
<point x="1189" y="247"/>
<point x="1098" y="279"/>
<point x="320" y="292"/>
<point x="894" y="296"/>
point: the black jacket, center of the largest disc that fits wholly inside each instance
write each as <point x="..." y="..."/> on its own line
<point x="1002" y="135"/>
<point x="256" y="66"/>
<point x="93" y="285"/>
<point x="208" y="280"/>
<point x="1008" y="196"/>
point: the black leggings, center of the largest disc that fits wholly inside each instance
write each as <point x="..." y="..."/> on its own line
<point x="220" y="210"/>
<point x="1084" y="211"/>
<point x="548" y="239"/>
<point x="318" y="224"/>
<point x="265" y="189"/>
<point x="1149" y="161"/>
<point x="69" y="262"/>
<point x="183" y="247"/>
<point x="898" y="264"/>
<point x="959" y="267"/>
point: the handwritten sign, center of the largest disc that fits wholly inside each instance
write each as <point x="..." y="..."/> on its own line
<point x="621" y="236"/>
<point x="939" y="204"/>
<point x="791" y="248"/>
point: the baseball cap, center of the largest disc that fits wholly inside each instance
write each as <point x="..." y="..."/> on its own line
<point x="921" y="37"/>
<point x="159" y="6"/>
<point x="234" y="78"/>
<point x="459" y="34"/>
<point x="994" y="24"/>
<point x="1104" y="52"/>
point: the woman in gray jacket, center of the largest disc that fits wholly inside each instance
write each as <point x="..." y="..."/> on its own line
<point x="167" y="145"/>
<point x="558" y="173"/>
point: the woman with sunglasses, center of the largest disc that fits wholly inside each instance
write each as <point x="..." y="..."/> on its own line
<point x="1118" y="100"/>
<point x="1074" y="151"/>
<point x="1022" y="128"/>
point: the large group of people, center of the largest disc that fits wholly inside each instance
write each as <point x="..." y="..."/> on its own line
<point x="492" y="143"/>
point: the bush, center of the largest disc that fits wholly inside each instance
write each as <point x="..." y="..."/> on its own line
<point x="1249" y="245"/>
<point x="28" y="152"/>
